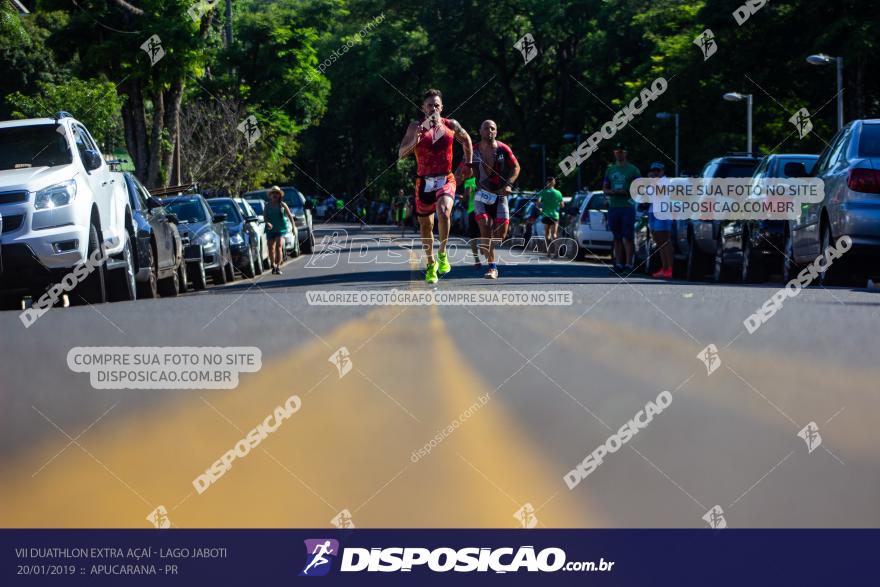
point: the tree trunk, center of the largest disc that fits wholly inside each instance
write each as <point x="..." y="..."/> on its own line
<point x="134" y="124"/>
<point x="154" y="160"/>
<point x="171" y="100"/>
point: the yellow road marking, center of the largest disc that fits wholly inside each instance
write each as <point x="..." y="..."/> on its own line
<point x="349" y="447"/>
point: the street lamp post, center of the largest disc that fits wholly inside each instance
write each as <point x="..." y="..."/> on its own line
<point x="665" y="115"/>
<point x="822" y="59"/>
<point x="543" y="161"/>
<point x="577" y="138"/>
<point x="737" y="97"/>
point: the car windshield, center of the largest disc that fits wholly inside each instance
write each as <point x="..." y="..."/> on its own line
<point x="233" y="216"/>
<point x="869" y="142"/>
<point x="257" y="205"/>
<point x="735" y="169"/>
<point x="598" y="202"/>
<point x="807" y="161"/>
<point x="33" y="146"/>
<point x="186" y="210"/>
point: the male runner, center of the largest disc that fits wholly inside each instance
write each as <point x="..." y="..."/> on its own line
<point x="473" y="229"/>
<point x="431" y="139"/>
<point x="497" y="170"/>
<point x="549" y="202"/>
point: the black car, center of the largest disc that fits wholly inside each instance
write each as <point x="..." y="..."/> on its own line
<point x="159" y="252"/>
<point x="199" y="225"/>
<point x="244" y="239"/>
<point x="696" y="241"/>
<point x="750" y="250"/>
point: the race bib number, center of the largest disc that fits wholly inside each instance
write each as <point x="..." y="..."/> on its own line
<point x="485" y="197"/>
<point x="432" y="184"/>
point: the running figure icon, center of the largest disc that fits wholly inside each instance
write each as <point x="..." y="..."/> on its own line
<point x="319" y="558"/>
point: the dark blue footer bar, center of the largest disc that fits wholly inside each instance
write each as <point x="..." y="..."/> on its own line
<point x="440" y="557"/>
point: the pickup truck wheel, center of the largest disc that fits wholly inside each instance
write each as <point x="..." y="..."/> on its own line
<point x="149" y="289"/>
<point x="123" y="287"/>
<point x="93" y="288"/>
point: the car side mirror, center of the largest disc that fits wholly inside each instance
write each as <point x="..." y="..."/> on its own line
<point x="92" y="160"/>
<point x="172" y="218"/>
<point x="218" y="218"/>
<point x="251" y="219"/>
<point x="153" y="203"/>
<point x="795" y="169"/>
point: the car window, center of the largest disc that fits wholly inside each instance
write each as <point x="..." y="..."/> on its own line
<point x="186" y="210"/>
<point x="257" y="207"/>
<point x="233" y="216"/>
<point x="807" y="161"/>
<point x="838" y="153"/>
<point x="135" y="193"/>
<point x="709" y="169"/>
<point x="734" y="169"/>
<point x="33" y="146"/>
<point x="761" y="169"/>
<point x="825" y="157"/>
<point x="869" y="140"/>
<point x="82" y="144"/>
<point x="598" y="202"/>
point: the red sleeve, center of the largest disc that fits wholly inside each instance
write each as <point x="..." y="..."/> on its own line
<point x="508" y="153"/>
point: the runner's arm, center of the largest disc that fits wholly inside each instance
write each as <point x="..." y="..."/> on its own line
<point x="464" y="139"/>
<point x="513" y="177"/>
<point x="410" y="139"/>
<point x="289" y="214"/>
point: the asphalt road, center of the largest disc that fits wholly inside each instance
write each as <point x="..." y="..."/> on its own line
<point x="558" y="381"/>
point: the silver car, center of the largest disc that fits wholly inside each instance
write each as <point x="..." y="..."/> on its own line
<point x="850" y="168"/>
<point x="593" y="234"/>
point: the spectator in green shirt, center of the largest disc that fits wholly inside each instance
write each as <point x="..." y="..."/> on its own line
<point x="549" y="203"/>
<point x="621" y="208"/>
<point x="473" y="228"/>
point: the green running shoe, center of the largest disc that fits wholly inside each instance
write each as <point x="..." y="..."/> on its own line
<point x="431" y="273"/>
<point x="443" y="266"/>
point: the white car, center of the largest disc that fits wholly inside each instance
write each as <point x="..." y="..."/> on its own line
<point x="60" y="204"/>
<point x="593" y="234"/>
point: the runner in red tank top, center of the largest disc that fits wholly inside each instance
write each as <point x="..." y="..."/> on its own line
<point x="431" y="140"/>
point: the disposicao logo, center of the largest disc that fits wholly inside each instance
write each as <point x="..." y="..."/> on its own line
<point x="318" y="553"/>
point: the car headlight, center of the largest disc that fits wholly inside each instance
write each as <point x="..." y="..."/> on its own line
<point x="236" y="239"/>
<point x="207" y="239"/>
<point x="56" y="195"/>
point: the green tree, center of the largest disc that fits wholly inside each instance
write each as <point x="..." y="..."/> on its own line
<point x="93" y="102"/>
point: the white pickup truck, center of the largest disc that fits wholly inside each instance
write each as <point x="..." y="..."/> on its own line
<point x="60" y="204"/>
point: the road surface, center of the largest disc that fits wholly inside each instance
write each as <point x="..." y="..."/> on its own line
<point x="556" y="382"/>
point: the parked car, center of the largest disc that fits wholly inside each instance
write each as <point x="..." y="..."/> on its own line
<point x="850" y="169"/>
<point x="749" y="250"/>
<point x="695" y="241"/>
<point x="258" y="223"/>
<point x="60" y="203"/>
<point x="159" y="251"/>
<point x="593" y="234"/>
<point x="569" y="215"/>
<point x="244" y="240"/>
<point x="519" y="222"/>
<point x="302" y="213"/>
<point x="198" y="224"/>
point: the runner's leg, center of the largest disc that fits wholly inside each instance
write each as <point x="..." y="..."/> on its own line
<point x="444" y="210"/>
<point x="426" y="230"/>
